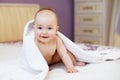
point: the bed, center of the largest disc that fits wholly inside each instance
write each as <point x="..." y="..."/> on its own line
<point x="11" y="46"/>
<point x="110" y="70"/>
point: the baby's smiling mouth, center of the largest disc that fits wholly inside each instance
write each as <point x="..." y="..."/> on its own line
<point x="44" y="36"/>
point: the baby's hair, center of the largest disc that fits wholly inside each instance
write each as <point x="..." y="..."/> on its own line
<point x="42" y="9"/>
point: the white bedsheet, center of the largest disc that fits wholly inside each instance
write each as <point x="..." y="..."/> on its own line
<point x="109" y="70"/>
<point x="10" y="51"/>
<point x="102" y="71"/>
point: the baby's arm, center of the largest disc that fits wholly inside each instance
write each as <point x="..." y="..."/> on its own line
<point x="65" y="56"/>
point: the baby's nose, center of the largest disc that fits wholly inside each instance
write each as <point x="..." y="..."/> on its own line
<point x="44" y="31"/>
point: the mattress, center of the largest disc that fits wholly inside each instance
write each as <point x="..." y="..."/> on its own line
<point x="109" y="70"/>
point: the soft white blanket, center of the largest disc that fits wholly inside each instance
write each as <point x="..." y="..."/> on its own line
<point x="32" y="65"/>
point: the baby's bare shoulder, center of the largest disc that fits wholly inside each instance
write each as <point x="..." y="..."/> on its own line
<point x="59" y="42"/>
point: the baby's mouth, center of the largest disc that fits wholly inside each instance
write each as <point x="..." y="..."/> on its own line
<point x="44" y="36"/>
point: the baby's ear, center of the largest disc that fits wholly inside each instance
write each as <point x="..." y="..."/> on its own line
<point x="57" y="28"/>
<point x="33" y="25"/>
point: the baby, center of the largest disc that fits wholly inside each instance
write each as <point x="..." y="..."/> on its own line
<point x="49" y="43"/>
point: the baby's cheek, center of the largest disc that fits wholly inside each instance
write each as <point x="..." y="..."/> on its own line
<point x="53" y="35"/>
<point x="37" y="35"/>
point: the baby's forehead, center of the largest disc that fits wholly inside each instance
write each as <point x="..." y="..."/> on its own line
<point x="46" y="15"/>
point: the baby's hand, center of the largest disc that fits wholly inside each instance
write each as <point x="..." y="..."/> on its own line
<point x="72" y="70"/>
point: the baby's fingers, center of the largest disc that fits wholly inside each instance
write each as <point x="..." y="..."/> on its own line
<point x="72" y="70"/>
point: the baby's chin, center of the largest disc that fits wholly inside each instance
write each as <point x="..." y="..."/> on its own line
<point x="45" y="40"/>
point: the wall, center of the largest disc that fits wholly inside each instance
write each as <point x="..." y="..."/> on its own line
<point x="64" y="9"/>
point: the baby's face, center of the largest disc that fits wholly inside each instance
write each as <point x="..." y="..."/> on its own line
<point x="45" y="26"/>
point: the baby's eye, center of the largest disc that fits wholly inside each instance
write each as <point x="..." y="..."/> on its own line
<point x="39" y="27"/>
<point x="49" y="28"/>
